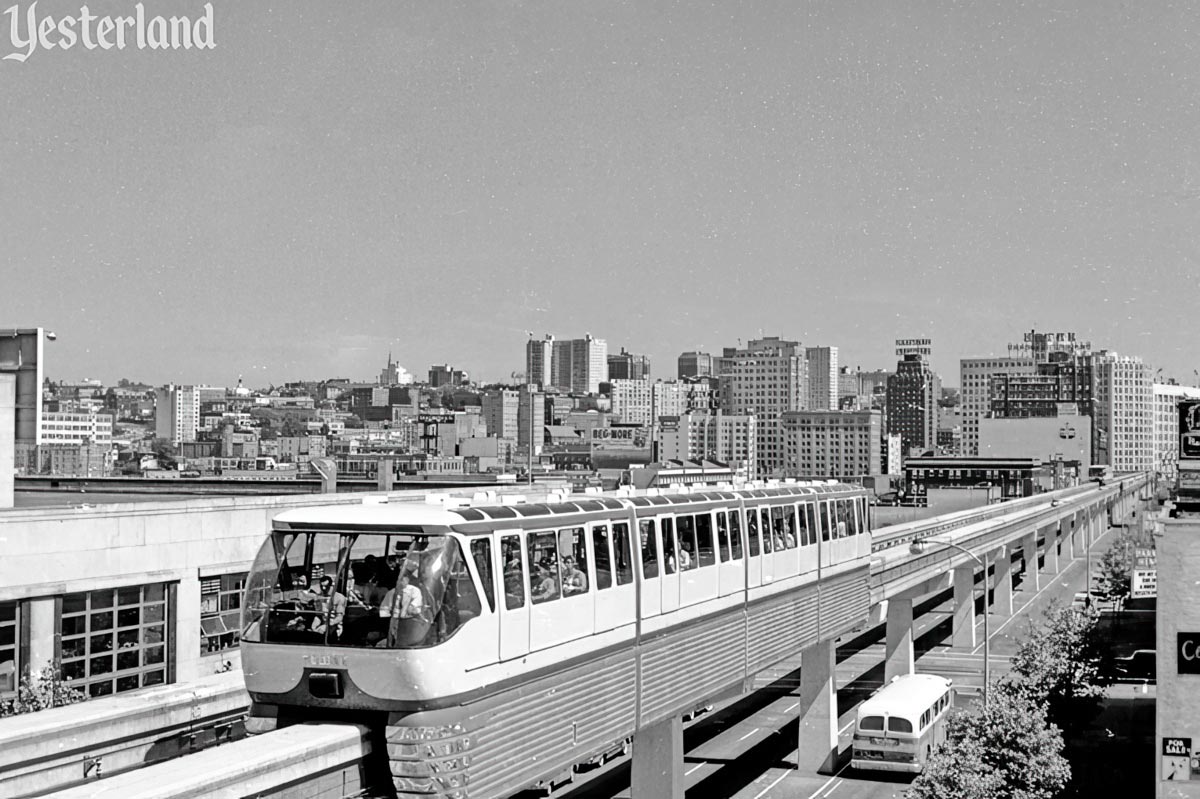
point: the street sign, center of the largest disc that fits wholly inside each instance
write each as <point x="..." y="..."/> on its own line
<point x="1176" y="754"/>
<point x="1144" y="584"/>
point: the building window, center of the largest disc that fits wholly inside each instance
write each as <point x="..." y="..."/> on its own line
<point x="115" y="640"/>
<point x="9" y="668"/>
<point x="220" y="612"/>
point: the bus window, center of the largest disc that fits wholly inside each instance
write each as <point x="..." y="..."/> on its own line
<point x="603" y="557"/>
<point x="649" y="550"/>
<point x="514" y="572"/>
<point x="897" y="724"/>
<point x="871" y="723"/>
<point x="704" y="539"/>
<point x="481" y="552"/>
<point x="735" y="533"/>
<point x="621" y="553"/>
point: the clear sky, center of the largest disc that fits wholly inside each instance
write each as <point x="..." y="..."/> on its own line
<point x="339" y="179"/>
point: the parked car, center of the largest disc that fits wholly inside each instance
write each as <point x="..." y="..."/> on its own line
<point x="1139" y="666"/>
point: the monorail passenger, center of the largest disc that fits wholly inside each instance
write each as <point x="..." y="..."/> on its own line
<point x="685" y="556"/>
<point x="668" y="543"/>
<point x="330" y="607"/>
<point x="547" y="585"/>
<point x="574" y="580"/>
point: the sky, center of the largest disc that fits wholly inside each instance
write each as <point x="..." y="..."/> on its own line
<point x="335" y="181"/>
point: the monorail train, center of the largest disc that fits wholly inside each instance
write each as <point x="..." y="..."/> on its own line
<point x="496" y="645"/>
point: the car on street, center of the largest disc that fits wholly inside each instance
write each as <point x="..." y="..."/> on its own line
<point x="1138" y="666"/>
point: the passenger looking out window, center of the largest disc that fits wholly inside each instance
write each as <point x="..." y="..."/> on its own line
<point x="546" y="586"/>
<point x="668" y="542"/>
<point x="514" y="572"/>
<point x="649" y="548"/>
<point x="706" y="551"/>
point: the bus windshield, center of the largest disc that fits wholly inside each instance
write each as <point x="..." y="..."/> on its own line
<point x="388" y="590"/>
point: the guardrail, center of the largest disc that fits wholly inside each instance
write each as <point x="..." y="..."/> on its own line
<point x="78" y="744"/>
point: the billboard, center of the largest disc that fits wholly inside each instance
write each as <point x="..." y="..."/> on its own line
<point x="1189" y="430"/>
<point x="1144" y="584"/>
<point x="914" y="346"/>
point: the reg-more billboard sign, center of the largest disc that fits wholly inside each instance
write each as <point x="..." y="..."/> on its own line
<point x="1189" y="430"/>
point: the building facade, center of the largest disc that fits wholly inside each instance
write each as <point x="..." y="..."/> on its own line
<point x="501" y="411"/>
<point x="731" y="440"/>
<point x="177" y="413"/>
<point x="631" y="400"/>
<point x="975" y="376"/>
<point x="628" y="366"/>
<point x="77" y="428"/>
<point x="539" y="357"/>
<point x="695" y="364"/>
<point x="1167" y="397"/>
<point x="838" y="444"/>
<point x="766" y="379"/>
<point x="823" y="378"/>
<point x="912" y="403"/>
<point x="1124" y="413"/>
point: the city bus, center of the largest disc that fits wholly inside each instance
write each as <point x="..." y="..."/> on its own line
<point x="898" y="727"/>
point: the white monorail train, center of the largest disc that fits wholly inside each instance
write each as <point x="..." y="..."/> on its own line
<point x="521" y="638"/>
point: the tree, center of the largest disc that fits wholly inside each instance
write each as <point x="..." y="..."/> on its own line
<point x="1116" y="565"/>
<point x="165" y="451"/>
<point x="1059" y="665"/>
<point x="1004" y="751"/>
<point x="40" y="690"/>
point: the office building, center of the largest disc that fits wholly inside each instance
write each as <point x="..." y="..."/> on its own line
<point x="1124" y="413"/>
<point x="446" y="375"/>
<point x="539" y="356"/>
<point x="912" y="410"/>
<point x="631" y="400"/>
<point x="975" y="379"/>
<point x="60" y="427"/>
<point x="766" y="378"/>
<point x="500" y="409"/>
<point x="838" y="444"/>
<point x="731" y="440"/>
<point x="695" y="364"/>
<point x="531" y="419"/>
<point x="628" y="366"/>
<point x="823" y="379"/>
<point x="176" y="413"/>
<point x="1167" y="397"/>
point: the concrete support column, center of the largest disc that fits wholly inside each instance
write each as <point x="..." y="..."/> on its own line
<point x="898" y="646"/>
<point x="877" y="613"/>
<point x="1002" y="604"/>
<point x="657" y="768"/>
<point x="42" y="634"/>
<point x="1051" y="560"/>
<point x="818" y="746"/>
<point x="1030" y="549"/>
<point x="963" y="623"/>
<point x="1072" y="525"/>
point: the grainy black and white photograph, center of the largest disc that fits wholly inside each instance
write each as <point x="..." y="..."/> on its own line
<point x="634" y="399"/>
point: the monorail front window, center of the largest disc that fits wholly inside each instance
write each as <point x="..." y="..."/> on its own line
<point x="397" y="590"/>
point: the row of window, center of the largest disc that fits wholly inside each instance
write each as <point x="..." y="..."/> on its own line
<point x="558" y="562"/>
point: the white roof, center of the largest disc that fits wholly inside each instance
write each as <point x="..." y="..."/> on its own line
<point x="905" y="693"/>
<point x="391" y="514"/>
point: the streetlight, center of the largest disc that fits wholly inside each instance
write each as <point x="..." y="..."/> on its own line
<point x="917" y="548"/>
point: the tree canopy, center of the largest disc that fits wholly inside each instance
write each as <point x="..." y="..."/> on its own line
<point x="1004" y="751"/>
<point x="1116" y="565"/>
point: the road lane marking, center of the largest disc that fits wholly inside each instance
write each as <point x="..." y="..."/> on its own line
<point x="693" y="768"/>
<point x="789" y="708"/>
<point x="836" y="785"/>
<point x="778" y="780"/>
<point x="814" y="794"/>
<point x="747" y="735"/>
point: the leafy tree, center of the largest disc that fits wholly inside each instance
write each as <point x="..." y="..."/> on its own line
<point x="165" y="451"/>
<point x="39" y="691"/>
<point x="1059" y="665"/>
<point x="354" y="423"/>
<point x="1004" y="751"/>
<point x="1116" y="565"/>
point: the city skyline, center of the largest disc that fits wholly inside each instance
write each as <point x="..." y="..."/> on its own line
<point x="331" y="183"/>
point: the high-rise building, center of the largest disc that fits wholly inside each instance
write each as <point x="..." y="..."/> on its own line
<point x="1167" y="397"/>
<point x="575" y="365"/>
<point x="628" y="366"/>
<point x="531" y="419"/>
<point x="731" y="440"/>
<point x="631" y="400"/>
<point x="695" y="364"/>
<point x="975" y="376"/>
<point x="539" y="356"/>
<point x="767" y="378"/>
<point x="841" y="444"/>
<point x="500" y="409"/>
<point x="176" y="413"/>
<point x="589" y="364"/>
<point x="446" y="375"/>
<point x="1124" y="413"/>
<point x="912" y="410"/>
<point x="823" y="381"/>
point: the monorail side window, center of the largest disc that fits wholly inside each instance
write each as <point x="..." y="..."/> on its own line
<point x="843" y="529"/>
<point x="668" y="546"/>
<point x="810" y="515"/>
<point x="481" y="553"/>
<point x="573" y="561"/>
<point x="825" y="525"/>
<point x="704" y="539"/>
<point x="8" y="647"/>
<point x="649" y="548"/>
<point x="752" y="531"/>
<point x="686" y="528"/>
<point x="603" y="556"/>
<point x="545" y="580"/>
<point x="802" y="522"/>
<point x="622" y="550"/>
<point x="765" y="525"/>
<point x="514" y="572"/>
<point x="735" y="531"/>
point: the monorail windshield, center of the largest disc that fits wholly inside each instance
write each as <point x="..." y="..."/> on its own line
<point x="385" y="590"/>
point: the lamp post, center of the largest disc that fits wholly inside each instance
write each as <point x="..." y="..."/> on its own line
<point x="918" y="547"/>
